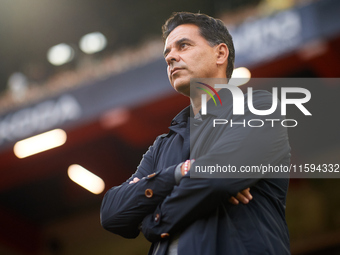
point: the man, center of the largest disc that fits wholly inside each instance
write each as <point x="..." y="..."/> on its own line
<point x="183" y="215"/>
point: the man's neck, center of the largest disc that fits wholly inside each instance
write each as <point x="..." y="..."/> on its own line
<point x="196" y="104"/>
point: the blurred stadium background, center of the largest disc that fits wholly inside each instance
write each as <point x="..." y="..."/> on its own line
<point x="93" y="70"/>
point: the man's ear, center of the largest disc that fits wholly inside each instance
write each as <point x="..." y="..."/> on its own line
<point x="222" y="53"/>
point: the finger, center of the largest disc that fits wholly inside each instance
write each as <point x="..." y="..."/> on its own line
<point x="246" y="193"/>
<point x="240" y="197"/>
<point x="134" y="180"/>
<point x="233" y="200"/>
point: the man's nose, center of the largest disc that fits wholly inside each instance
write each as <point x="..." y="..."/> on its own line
<point x="171" y="57"/>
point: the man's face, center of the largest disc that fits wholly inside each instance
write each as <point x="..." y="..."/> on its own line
<point x="188" y="55"/>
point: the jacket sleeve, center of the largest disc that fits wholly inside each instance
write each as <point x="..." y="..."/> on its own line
<point x="195" y="198"/>
<point x="124" y="207"/>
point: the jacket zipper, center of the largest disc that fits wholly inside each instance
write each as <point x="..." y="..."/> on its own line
<point x="159" y="243"/>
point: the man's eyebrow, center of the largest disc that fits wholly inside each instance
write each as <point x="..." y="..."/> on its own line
<point x="166" y="51"/>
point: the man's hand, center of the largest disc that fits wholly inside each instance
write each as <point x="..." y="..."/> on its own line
<point x="243" y="196"/>
<point x="134" y="180"/>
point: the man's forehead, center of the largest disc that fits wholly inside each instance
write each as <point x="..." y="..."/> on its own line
<point x="181" y="31"/>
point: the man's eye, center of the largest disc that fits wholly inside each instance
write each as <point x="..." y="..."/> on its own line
<point x="183" y="45"/>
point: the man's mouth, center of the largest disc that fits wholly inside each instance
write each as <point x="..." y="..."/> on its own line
<point x="175" y="70"/>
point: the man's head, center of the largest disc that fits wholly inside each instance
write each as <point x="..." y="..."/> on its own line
<point x="196" y="46"/>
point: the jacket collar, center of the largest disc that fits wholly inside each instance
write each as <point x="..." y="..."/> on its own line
<point x="226" y="99"/>
<point x="182" y="116"/>
<point x="179" y="123"/>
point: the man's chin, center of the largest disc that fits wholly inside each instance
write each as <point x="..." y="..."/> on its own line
<point x="182" y="86"/>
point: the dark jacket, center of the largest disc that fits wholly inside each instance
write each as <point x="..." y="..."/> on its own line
<point x="198" y="208"/>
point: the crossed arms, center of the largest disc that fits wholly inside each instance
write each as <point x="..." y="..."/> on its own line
<point x="152" y="197"/>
